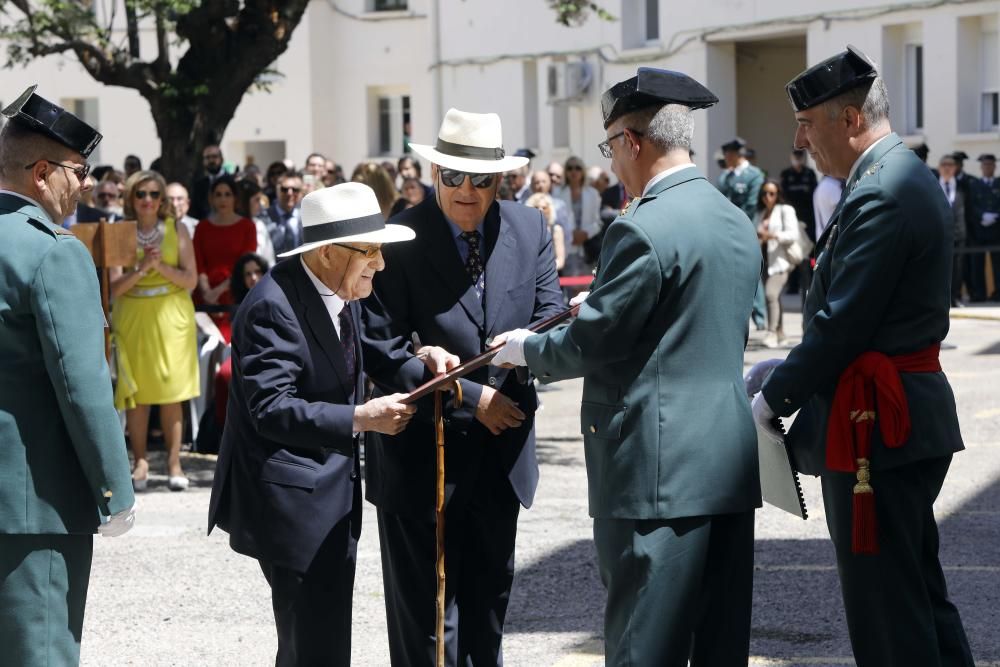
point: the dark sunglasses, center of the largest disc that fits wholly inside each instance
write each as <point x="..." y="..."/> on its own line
<point x="574" y="167"/>
<point x="212" y="156"/>
<point x="152" y="194"/>
<point x="454" y="178"/>
<point x="290" y="190"/>
<point x="81" y="172"/>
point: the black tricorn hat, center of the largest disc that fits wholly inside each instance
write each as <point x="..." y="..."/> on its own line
<point x="653" y="87"/>
<point x="961" y="156"/>
<point x="833" y="76"/>
<point x="734" y="144"/>
<point x="987" y="157"/>
<point x="37" y="113"/>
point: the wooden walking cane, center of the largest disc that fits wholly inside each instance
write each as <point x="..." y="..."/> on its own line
<point x="439" y="513"/>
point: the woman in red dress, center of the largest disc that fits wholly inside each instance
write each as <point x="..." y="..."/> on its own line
<point x="218" y="242"/>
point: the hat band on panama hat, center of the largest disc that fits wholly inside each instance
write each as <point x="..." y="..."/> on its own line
<point x="328" y="231"/>
<point x="474" y="152"/>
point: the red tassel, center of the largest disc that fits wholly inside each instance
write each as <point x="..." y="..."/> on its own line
<point x="864" y="533"/>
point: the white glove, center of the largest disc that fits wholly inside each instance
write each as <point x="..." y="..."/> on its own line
<point x="511" y="354"/>
<point x="989" y="219"/>
<point x="763" y="416"/>
<point x="578" y="299"/>
<point x="118" y="524"/>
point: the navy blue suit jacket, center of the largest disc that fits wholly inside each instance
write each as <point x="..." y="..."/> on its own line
<point x="425" y="289"/>
<point x="288" y="459"/>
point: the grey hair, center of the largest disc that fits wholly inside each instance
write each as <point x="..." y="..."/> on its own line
<point x="668" y="128"/>
<point x="873" y="102"/>
<point x="20" y="146"/>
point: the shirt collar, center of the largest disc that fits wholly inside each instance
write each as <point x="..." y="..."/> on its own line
<point x="334" y="303"/>
<point x="854" y="167"/>
<point x="663" y="174"/>
<point x="741" y="167"/>
<point x="457" y="231"/>
<point x="27" y="199"/>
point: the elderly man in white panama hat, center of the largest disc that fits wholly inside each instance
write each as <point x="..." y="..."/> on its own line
<point x="477" y="268"/>
<point x="287" y="487"/>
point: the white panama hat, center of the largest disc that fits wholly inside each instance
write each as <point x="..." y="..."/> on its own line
<point x="343" y="213"/>
<point x="470" y="142"/>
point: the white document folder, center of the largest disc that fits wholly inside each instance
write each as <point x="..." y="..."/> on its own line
<point x="779" y="483"/>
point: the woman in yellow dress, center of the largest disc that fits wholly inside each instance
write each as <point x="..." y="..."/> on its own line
<point x="153" y="324"/>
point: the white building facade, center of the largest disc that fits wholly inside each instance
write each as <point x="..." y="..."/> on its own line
<point x="360" y="76"/>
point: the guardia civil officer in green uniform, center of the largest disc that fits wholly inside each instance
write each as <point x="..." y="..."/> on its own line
<point x="670" y="444"/>
<point x="741" y="183"/>
<point x="877" y="419"/>
<point x="63" y="467"/>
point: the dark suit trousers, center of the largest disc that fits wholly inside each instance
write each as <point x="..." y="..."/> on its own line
<point x="312" y="610"/>
<point x="898" y="611"/>
<point x="480" y="529"/>
<point x="678" y="589"/>
<point x="43" y="593"/>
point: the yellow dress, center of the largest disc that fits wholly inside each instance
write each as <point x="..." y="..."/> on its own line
<point x="156" y="334"/>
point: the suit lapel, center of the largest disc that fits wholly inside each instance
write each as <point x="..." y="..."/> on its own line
<point x="502" y="265"/>
<point x="318" y="319"/>
<point x="442" y="255"/>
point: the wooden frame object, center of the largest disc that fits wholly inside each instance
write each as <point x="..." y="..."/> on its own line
<point x="110" y="244"/>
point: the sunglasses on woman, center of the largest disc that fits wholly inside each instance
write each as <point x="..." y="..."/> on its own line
<point x="152" y="194"/>
<point x="454" y="178"/>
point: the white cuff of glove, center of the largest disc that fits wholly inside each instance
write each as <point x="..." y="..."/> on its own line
<point x="578" y="299"/>
<point x="513" y="350"/>
<point x="764" y="416"/>
<point x="118" y="524"/>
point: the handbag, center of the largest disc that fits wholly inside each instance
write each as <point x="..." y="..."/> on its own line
<point x="801" y="248"/>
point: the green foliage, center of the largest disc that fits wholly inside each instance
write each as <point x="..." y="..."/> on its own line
<point x="575" y="12"/>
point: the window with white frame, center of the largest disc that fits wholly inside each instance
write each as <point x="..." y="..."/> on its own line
<point x="640" y="20"/>
<point x="386" y="5"/>
<point x="989" y="109"/>
<point x="390" y="123"/>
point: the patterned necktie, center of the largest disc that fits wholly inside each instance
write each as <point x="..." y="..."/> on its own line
<point x="347" y="340"/>
<point x="474" y="261"/>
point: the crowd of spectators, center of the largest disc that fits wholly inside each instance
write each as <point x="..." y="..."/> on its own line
<point x="204" y="243"/>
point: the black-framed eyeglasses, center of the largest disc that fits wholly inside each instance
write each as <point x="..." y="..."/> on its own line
<point x="454" y="178"/>
<point x="152" y="194"/>
<point x="370" y="253"/>
<point x="81" y="172"/>
<point x="605" y="146"/>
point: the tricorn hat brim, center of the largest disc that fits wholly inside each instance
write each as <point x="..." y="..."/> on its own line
<point x="38" y="114"/>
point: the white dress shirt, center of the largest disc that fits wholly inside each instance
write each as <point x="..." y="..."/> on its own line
<point x="663" y="174"/>
<point x="334" y="304"/>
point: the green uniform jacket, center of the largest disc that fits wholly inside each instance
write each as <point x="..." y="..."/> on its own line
<point x="659" y="342"/>
<point x="883" y="283"/>
<point x="743" y="189"/>
<point x="61" y="444"/>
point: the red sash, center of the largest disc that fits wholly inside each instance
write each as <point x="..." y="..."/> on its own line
<point x="873" y="378"/>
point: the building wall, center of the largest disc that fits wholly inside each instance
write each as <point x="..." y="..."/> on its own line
<point x="483" y="55"/>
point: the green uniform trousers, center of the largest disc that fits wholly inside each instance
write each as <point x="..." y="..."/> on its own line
<point x="898" y="611"/>
<point x="43" y="592"/>
<point x="678" y="589"/>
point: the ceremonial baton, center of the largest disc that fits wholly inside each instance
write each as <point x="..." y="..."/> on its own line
<point x="439" y="385"/>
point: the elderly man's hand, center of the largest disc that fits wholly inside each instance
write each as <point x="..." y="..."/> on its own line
<point x="764" y="416"/>
<point x="497" y="412"/>
<point x="437" y="359"/>
<point x="383" y="415"/>
<point x="512" y="352"/>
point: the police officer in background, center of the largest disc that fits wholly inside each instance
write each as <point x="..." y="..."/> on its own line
<point x="63" y="464"/>
<point x="875" y="316"/>
<point x="670" y="445"/>
<point x="982" y="212"/>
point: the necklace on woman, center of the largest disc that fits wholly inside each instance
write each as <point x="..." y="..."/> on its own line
<point x="151" y="238"/>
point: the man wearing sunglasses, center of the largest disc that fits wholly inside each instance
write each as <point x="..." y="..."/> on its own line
<point x="285" y="227"/>
<point x="65" y="473"/>
<point x="478" y="267"/>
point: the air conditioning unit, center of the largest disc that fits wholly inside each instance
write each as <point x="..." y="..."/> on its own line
<point x="569" y="82"/>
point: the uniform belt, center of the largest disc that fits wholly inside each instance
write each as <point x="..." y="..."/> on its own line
<point x="159" y="290"/>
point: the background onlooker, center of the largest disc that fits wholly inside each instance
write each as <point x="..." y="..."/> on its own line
<point x="983" y="222"/>
<point x="375" y="177"/>
<point x="251" y="203"/>
<point x="154" y="327"/>
<point x="178" y="197"/>
<point x="284" y="225"/>
<point x="107" y="199"/>
<point x="131" y="165"/>
<point x="541" y="182"/>
<point x="275" y="171"/>
<point x="947" y="170"/>
<point x="545" y="203"/>
<point x="413" y="193"/>
<point x="218" y="242"/>
<point x="798" y="183"/>
<point x="584" y="205"/>
<point x="777" y="229"/>
<point x="212" y="162"/>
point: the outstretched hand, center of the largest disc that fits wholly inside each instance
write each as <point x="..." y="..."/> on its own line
<point x="437" y="359"/>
